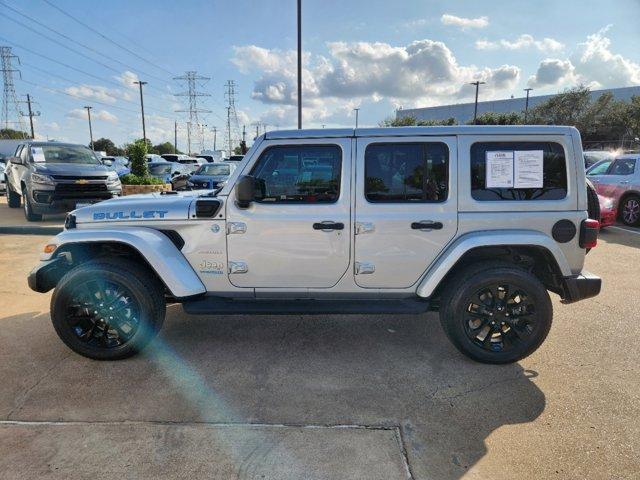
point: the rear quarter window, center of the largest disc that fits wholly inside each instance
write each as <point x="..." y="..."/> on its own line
<point x="554" y="172"/>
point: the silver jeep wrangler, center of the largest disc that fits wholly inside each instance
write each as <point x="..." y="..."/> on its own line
<point x="478" y="223"/>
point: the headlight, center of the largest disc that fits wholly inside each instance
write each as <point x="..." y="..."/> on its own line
<point x="41" y="179"/>
<point x="220" y="184"/>
<point x="113" y="176"/>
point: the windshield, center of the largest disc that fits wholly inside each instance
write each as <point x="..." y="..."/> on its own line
<point x="63" y="154"/>
<point x="159" y="169"/>
<point x="214" y="170"/>
<point x="600" y="169"/>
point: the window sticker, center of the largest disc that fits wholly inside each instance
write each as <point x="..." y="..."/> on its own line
<point x="499" y="170"/>
<point x="38" y="154"/>
<point x="528" y="169"/>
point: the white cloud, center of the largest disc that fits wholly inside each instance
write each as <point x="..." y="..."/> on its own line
<point x="127" y="79"/>
<point x="597" y="65"/>
<point x="93" y="92"/>
<point x="553" y="71"/>
<point x="464" y="23"/>
<point x="524" y="41"/>
<point x="424" y="72"/>
<point x="81" y="113"/>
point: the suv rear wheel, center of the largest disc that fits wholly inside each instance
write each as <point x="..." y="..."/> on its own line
<point x="108" y="309"/>
<point x="13" y="198"/>
<point x="496" y="313"/>
<point x="28" y="211"/>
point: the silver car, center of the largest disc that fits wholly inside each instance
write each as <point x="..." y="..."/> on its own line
<point x="619" y="179"/>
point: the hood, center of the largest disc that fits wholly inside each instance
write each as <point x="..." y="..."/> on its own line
<point x="138" y="208"/>
<point x="73" y="169"/>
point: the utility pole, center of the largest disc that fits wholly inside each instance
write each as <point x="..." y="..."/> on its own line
<point x="257" y="129"/>
<point x="244" y="133"/>
<point x="229" y="129"/>
<point x="192" y="95"/>
<point x="215" y="135"/>
<point x="175" y="136"/>
<point x="477" y="83"/>
<point x="31" y="114"/>
<point x="526" y="104"/>
<point x="299" y="64"/>
<point x="233" y="125"/>
<point x="90" y="129"/>
<point x="356" y="110"/>
<point x="144" y="130"/>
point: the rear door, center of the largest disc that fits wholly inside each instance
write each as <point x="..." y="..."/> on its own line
<point x="406" y="207"/>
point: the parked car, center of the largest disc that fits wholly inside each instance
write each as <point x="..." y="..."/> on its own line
<point x="477" y="223"/>
<point x="166" y="171"/>
<point x="208" y="158"/>
<point x="173" y="157"/>
<point x="599" y="167"/>
<point x="211" y="175"/>
<point x="3" y="183"/>
<point x="620" y="182"/>
<point x="593" y="156"/>
<point x="120" y="165"/>
<point x="153" y="157"/>
<point x="234" y="158"/>
<point x="53" y="177"/>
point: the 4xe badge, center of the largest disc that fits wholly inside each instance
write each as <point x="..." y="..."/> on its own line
<point x="132" y="215"/>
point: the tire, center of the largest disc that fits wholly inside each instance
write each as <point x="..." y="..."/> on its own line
<point x="593" y="204"/>
<point x="630" y="211"/>
<point x="13" y="198"/>
<point x="133" y="296"/>
<point x="28" y="211"/>
<point x="518" y="328"/>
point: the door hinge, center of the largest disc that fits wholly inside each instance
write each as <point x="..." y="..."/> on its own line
<point x="236" y="227"/>
<point x="238" y="267"/>
<point x="365" y="268"/>
<point x="364" y="227"/>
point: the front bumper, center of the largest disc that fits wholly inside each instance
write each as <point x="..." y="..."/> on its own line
<point x="608" y="217"/>
<point x="46" y="275"/>
<point x="51" y="201"/>
<point x="581" y="286"/>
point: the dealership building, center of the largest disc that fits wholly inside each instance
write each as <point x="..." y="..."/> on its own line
<point x="463" y="112"/>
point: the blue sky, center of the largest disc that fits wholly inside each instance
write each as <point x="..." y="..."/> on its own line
<point x="372" y="55"/>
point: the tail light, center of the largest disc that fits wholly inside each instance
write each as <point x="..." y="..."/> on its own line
<point x="589" y="233"/>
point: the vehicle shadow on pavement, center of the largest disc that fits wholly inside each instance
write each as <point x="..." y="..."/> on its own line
<point x="376" y="371"/>
<point x="628" y="238"/>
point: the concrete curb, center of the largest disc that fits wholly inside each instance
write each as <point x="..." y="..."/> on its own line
<point x="29" y="230"/>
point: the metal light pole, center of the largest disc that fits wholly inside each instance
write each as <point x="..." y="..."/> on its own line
<point x="90" y="129"/>
<point x="215" y="135"/>
<point x="357" y="110"/>
<point x="144" y="129"/>
<point x="299" y="64"/>
<point x="477" y="83"/>
<point x="526" y="105"/>
<point x="175" y="136"/>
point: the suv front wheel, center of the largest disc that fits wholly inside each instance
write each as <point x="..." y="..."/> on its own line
<point x="496" y="313"/>
<point x="108" y="309"/>
<point x="28" y="210"/>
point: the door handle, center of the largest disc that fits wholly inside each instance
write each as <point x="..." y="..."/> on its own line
<point x="426" y="225"/>
<point x="328" y="226"/>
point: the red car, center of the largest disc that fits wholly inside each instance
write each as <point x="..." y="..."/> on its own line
<point x="608" y="211"/>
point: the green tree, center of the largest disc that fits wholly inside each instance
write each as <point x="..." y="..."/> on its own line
<point x="162" y="148"/>
<point x="410" y="121"/>
<point x="137" y="152"/>
<point x="492" y="118"/>
<point x="13" y="134"/>
<point x="106" y="145"/>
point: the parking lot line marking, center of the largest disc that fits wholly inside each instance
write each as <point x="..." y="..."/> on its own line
<point x="625" y="230"/>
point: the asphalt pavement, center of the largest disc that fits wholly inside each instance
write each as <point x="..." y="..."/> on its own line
<point x="323" y="397"/>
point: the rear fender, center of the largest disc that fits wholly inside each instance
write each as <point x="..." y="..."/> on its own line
<point x="496" y="238"/>
<point x="171" y="267"/>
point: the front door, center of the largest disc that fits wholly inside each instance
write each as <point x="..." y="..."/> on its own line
<point x="406" y="207"/>
<point x="296" y="234"/>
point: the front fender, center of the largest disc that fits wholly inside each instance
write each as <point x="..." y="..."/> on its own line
<point x="161" y="254"/>
<point x="490" y="238"/>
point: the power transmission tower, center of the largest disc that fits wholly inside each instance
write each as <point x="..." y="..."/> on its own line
<point x="233" y="125"/>
<point x="192" y="78"/>
<point x="30" y="113"/>
<point x="10" y="104"/>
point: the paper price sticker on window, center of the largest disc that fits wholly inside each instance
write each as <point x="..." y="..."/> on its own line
<point x="38" y="154"/>
<point x="499" y="170"/>
<point x="529" y="166"/>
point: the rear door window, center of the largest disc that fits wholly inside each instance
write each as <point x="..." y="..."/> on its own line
<point x="622" y="166"/>
<point x="552" y="178"/>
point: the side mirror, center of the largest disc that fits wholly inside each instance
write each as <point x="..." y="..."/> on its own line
<point x="15" y="160"/>
<point x="106" y="162"/>
<point x="245" y="191"/>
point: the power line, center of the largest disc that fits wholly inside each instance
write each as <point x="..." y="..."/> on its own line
<point x="97" y="32"/>
<point x="91" y="49"/>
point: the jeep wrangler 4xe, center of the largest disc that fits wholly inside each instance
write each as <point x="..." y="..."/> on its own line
<point x="477" y="223"/>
